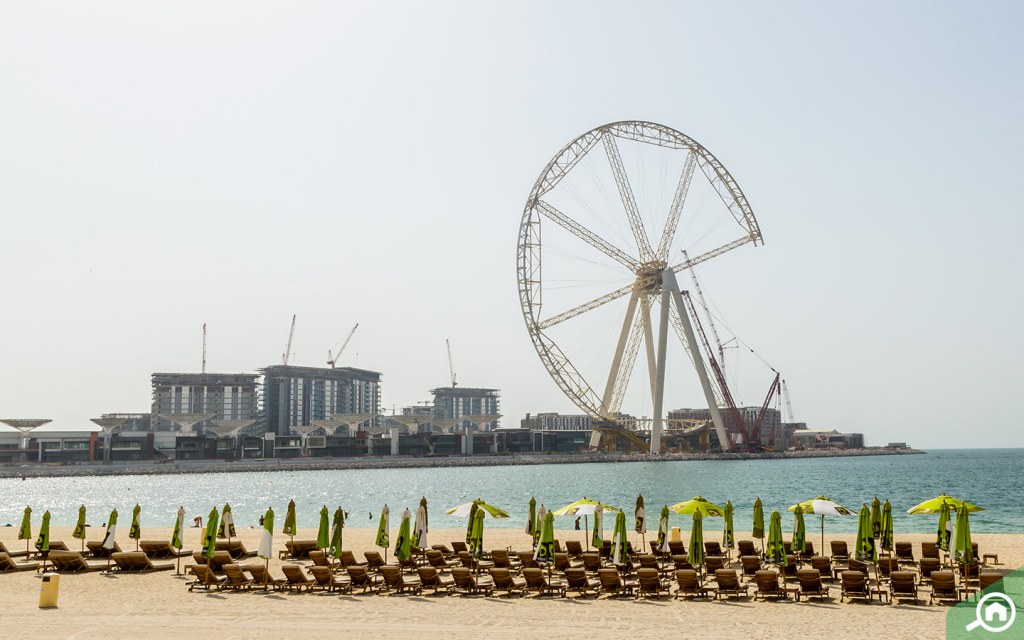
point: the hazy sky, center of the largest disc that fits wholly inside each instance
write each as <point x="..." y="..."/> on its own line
<point x="163" y="165"/>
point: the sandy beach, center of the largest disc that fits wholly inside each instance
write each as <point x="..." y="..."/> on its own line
<point x="158" y="605"/>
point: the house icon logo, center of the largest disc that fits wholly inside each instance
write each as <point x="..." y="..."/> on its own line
<point x="994" y="613"/>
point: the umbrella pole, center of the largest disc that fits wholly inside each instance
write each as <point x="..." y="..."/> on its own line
<point x="823" y="533"/>
<point x="266" y="572"/>
<point x="586" y="530"/>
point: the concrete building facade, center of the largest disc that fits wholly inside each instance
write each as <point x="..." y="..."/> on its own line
<point x="296" y="396"/>
<point x="452" y="403"/>
<point x="227" y="396"/>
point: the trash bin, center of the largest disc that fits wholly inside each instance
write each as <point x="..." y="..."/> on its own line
<point x="49" y="590"/>
<point x="675" y="537"/>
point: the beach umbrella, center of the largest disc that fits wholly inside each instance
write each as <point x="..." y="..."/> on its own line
<point x="25" y="532"/>
<point x="620" y="549"/>
<point x="663" y="530"/>
<point x="470" y="520"/>
<point x="403" y="545"/>
<point x="585" y="508"/>
<point x="539" y="525"/>
<point x="79" y="531"/>
<point x="337" y="525"/>
<point x="945" y="532"/>
<point x="697" y="540"/>
<point x="227" y="523"/>
<point x="639" y="516"/>
<point x="698" y="503"/>
<point x="289" y="521"/>
<point x="419" y="529"/>
<point x="383" y="540"/>
<point x="266" y="548"/>
<point x="886" y="532"/>
<point x="775" y="550"/>
<point x="477" y="546"/>
<point x="865" y="550"/>
<point x="799" y="542"/>
<point x="465" y="510"/>
<point x="43" y="541"/>
<point x="597" y="540"/>
<point x="135" y="531"/>
<point x="176" y="541"/>
<point x="110" y="539"/>
<point x="935" y="505"/>
<point x="545" y="551"/>
<point x="531" y="517"/>
<point x="876" y="518"/>
<point x="822" y="506"/>
<point x="210" y="535"/>
<point x="758" y="530"/>
<point x="963" y="550"/>
<point x="426" y="522"/>
<point x="323" y="532"/>
<point x="728" y="533"/>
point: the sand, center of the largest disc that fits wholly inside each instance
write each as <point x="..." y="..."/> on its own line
<point x="159" y="605"/>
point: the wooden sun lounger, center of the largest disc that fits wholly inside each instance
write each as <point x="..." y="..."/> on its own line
<point x="431" y="578"/>
<point x="161" y="550"/>
<point x="205" y="578"/>
<point x="138" y="562"/>
<point x="262" y="577"/>
<point x="72" y="562"/>
<point x="8" y="564"/>
<point x="577" y="580"/>
<point x="97" y="550"/>
<point x="688" y="584"/>
<point x="13" y="554"/>
<point x="55" y="545"/>
<point x="297" y="549"/>
<point x="236" y="579"/>
<point x="467" y="583"/>
<point x="235" y="548"/>
<point x="328" y="581"/>
<point x="297" y="578"/>
<point x="395" y="581"/>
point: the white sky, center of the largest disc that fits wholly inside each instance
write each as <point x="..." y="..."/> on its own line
<point x="163" y="165"/>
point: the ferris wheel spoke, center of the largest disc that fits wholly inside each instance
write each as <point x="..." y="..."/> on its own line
<point x="586" y="306"/>
<point x="704" y="257"/>
<point x="677" y="207"/>
<point x="620" y="348"/>
<point x="641" y="322"/>
<point x="586" y="235"/>
<point x="611" y="148"/>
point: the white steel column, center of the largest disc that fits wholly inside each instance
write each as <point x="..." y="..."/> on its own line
<point x="659" y="383"/>
<point x="613" y="375"/>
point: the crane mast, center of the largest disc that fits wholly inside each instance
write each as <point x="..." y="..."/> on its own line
<point x="755" y="430"/>
<point x="331" y="360"/>
<point x="451" y="367"/>
<point x="288" y="348"/>
<point x="204" y="347"/>
<point x="707" y="312"/>
<point x="785" y="396"/>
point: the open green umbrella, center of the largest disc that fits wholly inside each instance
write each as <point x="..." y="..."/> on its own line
<point x="464" y="510"/>
<point x="698" y="503"/>
<point x="876" y="518"/>
<point x="79" y="531"/>
<point x="176" y="541"/>
<point x="945" y="532"/>
<point x="266" y="548"/>
<point x="886" y="532"/>
<point x="403" y="545"/>
<point x="135" y="531"/>
<point x="531" y="517"/>
<point x="639" y="516"/>
<point x="323" y="532"/>
<point x="289" y="521"/>
<point x="775" y="549"/>
<point x="337" y="525"/>
<point x="963" y="550"/>
<point x="799" y="542"/>
<point x="864" y="549"/>
<point x="935" y="505"/>
<point x="663" y="530"/>
<point x="620" y="549"/>
<point x="227" y="523"/>
<point x="758" y="530"/>
<point x="383" y="539"/>
<point x="25" y="532"/>
<point x="697" y="540"/>
<point x="545" y="551"/>
<point x="728" y="533"/>
<point x="597" y="539"/>
<point x="210" y="535"/>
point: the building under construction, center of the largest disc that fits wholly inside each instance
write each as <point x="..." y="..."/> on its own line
<point x="453" y="403"/>
<point x="298" y="396"/>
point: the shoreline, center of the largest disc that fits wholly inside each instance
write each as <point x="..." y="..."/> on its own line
<point x="407" y="462"/>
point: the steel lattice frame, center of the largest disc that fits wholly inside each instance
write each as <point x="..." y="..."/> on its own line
<point x="654" y="275"/>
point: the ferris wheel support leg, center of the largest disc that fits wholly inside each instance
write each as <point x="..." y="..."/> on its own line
<point x="698" y="360"/>
<point x="613" y="375"/>
<point x="652" y="361"/>
<point x="659" y="382"/>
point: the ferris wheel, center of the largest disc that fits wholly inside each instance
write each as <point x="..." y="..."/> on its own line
<point x="613" y="217"/>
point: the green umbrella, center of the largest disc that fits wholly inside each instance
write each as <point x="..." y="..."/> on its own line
<point x="728" y="534"/>
<point x="663" y="530"/>
<point x="758" y="531"/>
<point x="323" y="534"/>
<point x="935" y="505"/>
<point x="698" y="503"/>
<point x="470" y="521"/>
<point x="545" y="551"/>
<point x="25" y="532"/>
<point x="963" y="550"/>
<point x="799" y="542"/>
<point x="775" y="550"/>
<point x="403" y="545"/>
<point x="697" y="540"/>
<point x="43" y="541"/>
<point x="109" y="540"/>
<point x="266" y="548"/>
<point x="227" y="523"/>
<point x="79" y="531"/>
<point x="597" y="540"/>
<point x="865" y="550"/>
<point x="531" y="518"/>
<point x="477" y="546"/>
<point x="639" y="516"/>
<point x="876" y="518"/>
<point x="945" y="528"/>
<point x="289" y="520"/>
<point x="620" y="549"/>
<point x="886" y="532"/>
<point x="337" y="525"/>
<point x="465" y="510"/>
<point x="176" y="541"/>
<point x="383" y="540"/>
<point x="135" y="531"/>
<point x="210" y="535"/>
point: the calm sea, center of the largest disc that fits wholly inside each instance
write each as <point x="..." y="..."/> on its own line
<point x="991" y="478"/>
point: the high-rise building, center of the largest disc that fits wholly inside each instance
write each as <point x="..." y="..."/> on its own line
<point x="296" y="396"/>
<point x="453" y="403"/>
<point x="225" y="396"/>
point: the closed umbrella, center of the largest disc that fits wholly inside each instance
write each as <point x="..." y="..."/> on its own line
<point x="663" y="530"/>
<point x="403" y="545"/>
<point x="545" y="551"/>
<point x="531" y="517"/>
<point x="25" y="532"/>
<point x="470" y="520"/>
<point x="876" y="518"/>
<point x="865" y="550"/>
<point x="477" y="545"/>
<point x="640" y="517"/>
<point x="210" y="535"/>
<point x="289" y="521"/>
<point x="697" y="540"/>
<point x="43" y="541"/>
<point x="383" y="539"/>
<point x="775" y="549"/>
<point x="620" y="548"/>
<point x="110" y="539"/>
<point x="538" y="527"/>
<point x="227" y="523"/>
<point x="822" y="506"/>
<point x="886" y="533"/>
<point x="728" y="532"/>
<point x="799" y="542"/>
<point x="945" y="532"/>
<point x="426" y="522"/>
<point x="323" y="532"/>
<point x="266" y="548"/>
<point x="79" y="531"/>
<point x="176" y="541"/>
<point x="337" y="525"/>
<point x="963" y="550"/>
<point x="419" y="529"/>
<point x="135" y="531"/>
<point x="758" y="530"/>
<point x="597" y="540"/>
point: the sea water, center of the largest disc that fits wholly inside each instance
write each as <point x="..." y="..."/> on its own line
<point x="991" y="478"/>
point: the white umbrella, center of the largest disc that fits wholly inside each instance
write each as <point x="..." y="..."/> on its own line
<point x="421" y="528"/>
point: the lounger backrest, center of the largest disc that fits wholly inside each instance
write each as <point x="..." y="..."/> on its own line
<point x="459" y="546"/>
<point x="767" y="581"/>
<point x="687" y="579"/>
<point x="561" y="561"/>
<point x="610" y="579"/>
<point x="854" y="581"/>
<point x="392" y="575"/>
<point x="534" y="577"/>
<point x="322" y="575"/>
<point x="903" y="581"/>
<point x="821" y="563"/>
<point x="750" y="564"/>
<point x="428" y="576"/>
<point x="810" y="579"/>
<point x="746" y="547"/>
<point x="463" y="578"/>
<point x="714" y="563"/>
<point x="373" y="559"/>
<point x="904" y="550"/>
<point x="943" y="582"/>
<point x="857" y="565"/>
<point x="573" y="547"/>
<point x="712" y="549"/>
<point x="727" y="579"/>
<point x="6" y="564"/>
<point x="928" y="565"/>
<point x="839" y="548"/>
<point x="501" y="576"/>
<point x="294" y="573"/>
<point x="929" y="550"/>
<point x="358" y="574"/>
<point x="648" y="561"/>
<point x="676" y="548"/>
<point x="526" y="558"/>
<point x="234" y="574"/>
<point x="591" y="561"/>
<point x="987" y="579"/>
<point x="648" y="578"/>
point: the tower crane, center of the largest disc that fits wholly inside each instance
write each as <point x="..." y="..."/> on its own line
<point x="288" y="348"/>
<point x="333" y="359"/>
<point x="451" y="367"/>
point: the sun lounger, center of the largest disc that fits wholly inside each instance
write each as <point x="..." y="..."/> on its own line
<point x="988" y="578"/>
<point x="205" y="578"/>
<point x="161" y="550"/>
<point x="713" y="549"/>
<point x="437" y="560"/>
<point x="467" y="583"/>
<point x="297" y="549"/>
<point x="612" y="583"/>
<point x="728" y="581"/>
<point x="262" y="577"/>
<point x="328" y="581"/>
<point x="219" y="559"/>
<point x="854" y="585"/>
<point x="562" y="562"/>
<point x="840" y="553"/>
<point x="348" y="559"/>
<point x="681" y="561"/>
<point x="751" y="565"/>
<point x="505" y="581"/>
<point x="459" y="546"/>
<point x="8" y="564"/>
<point x="443" y="549"/>
<point x="236" y="579"/>
<point x="904" y="552"/>
<point x="649" y="583"/>
<point x="592" y="562"/>
<point x="944" y="587"/>
<point x="576" y="579"/>
<point x="374" y="561"/>
<point x="537" y="580"/>
<point x="321" y="559"/>
<point x="73" y="562"/>
<point x="55" y="545"/>
<point x="969" y="572"/>
<point x="714" y="563"/>
<point x="676" y="548"/>
<point x="395" y="580"/>
<point x="361" y="577"/>
<point x="688" y="584"/>
<point x="430" y="578"/>
<point x="902" y="586"/>
<point x="526" y="559"/>
<point x="235" y="548"/>
<point x="808" y="549"/>
<point x="927" y="566"/>
<point x="97" y="550"/>
<point x="767" y="582"/>
<point x="13" y="554"/>
<point x="503" y="560"/>
<point x="790" y="568"/>
<point x="746" y="548"/>
<point x="824" y="566"/>
<point x="573" y="548"/>
<point x="930" y="550"/>
<point x="886" y="566"/>
<point x="470" y="562"/>
<point x="296" y="578"/>
<point x="810" y="584"/>
<point x="138" y="562"/>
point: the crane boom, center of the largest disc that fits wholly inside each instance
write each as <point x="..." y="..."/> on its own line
<point x="333" y="359"/>
<point x="288" y="348"/>
<point x="785" y="396"/>
<point x="707" y="312"/>
<point x="755" y="430"/>
<point x="451" y="367"/>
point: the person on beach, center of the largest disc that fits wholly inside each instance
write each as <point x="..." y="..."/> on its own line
<point x="198" y="520"/>
<point x="577" y="523"/>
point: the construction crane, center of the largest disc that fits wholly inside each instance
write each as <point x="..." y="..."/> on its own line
<point x="204" y="347"/>
<point x="755" y="430"/>
<point x="288" y="348"/>
<point x="451" y="367"/>
<point x="707" y="313"/>
<point x="333" y="359"/>
<point x="789" y="407"/>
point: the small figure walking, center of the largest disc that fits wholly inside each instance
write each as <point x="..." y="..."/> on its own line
<point x="577" y="523"/>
